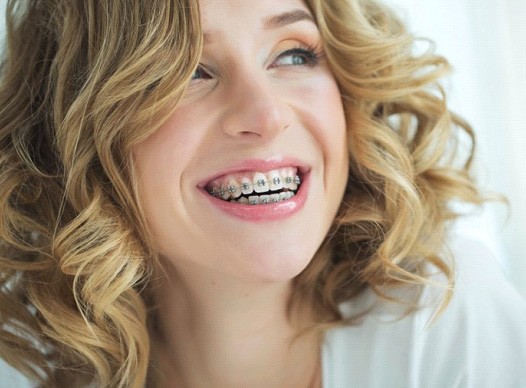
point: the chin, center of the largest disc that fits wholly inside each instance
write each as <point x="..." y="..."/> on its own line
<point x="282" y="262"/>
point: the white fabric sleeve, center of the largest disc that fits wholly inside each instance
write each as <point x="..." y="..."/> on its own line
<point x="479" y="341"/>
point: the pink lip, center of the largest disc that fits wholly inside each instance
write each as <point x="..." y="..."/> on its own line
<point x="268" y="212"/>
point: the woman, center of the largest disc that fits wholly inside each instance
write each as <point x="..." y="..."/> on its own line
<point x="235" y="194"/>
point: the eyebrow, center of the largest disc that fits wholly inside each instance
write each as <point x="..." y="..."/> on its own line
<point x="276" y="21"/>
<point x="286" y="18"/>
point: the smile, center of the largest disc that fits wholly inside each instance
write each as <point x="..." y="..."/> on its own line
<point x="256" y="188"/>
<point x="259" y="193"/>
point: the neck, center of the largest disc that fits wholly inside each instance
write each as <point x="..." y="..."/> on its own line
<point x="221" y="332"/>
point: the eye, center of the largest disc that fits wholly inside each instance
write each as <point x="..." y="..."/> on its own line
<point x="298" y="56"/>
<point x="200" y="73"/>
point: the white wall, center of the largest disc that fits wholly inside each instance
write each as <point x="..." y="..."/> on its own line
<point x="2" y="18"/>
<point x="484" y="40"/>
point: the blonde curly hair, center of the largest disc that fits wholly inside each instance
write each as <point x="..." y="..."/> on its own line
<point x="82" y="82"/>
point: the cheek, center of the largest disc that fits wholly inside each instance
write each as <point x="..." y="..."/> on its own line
<point x="321" y="101"/>
<point x="168" y="141"/>
<point x="324" y="109"/>
<point x="161" y="161"/>
<point x="164" y="156"/>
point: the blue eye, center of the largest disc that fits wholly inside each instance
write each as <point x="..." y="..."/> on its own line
<point x="297" y="57"/>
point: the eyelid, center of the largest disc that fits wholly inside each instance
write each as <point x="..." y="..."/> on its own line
<point x="315" y="52"/>
<point x="205" y="69"/>
<point x="296" y="47"/>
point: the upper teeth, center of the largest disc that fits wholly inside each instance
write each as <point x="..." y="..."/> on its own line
<point x="235" y="185"/>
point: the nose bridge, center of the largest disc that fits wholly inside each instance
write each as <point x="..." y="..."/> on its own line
<point x="254" y="108"/>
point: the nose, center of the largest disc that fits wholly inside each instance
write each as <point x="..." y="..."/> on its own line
<point x="255" y="110"/>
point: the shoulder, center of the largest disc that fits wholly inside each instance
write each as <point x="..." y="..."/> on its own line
<point x="478" y="341"/>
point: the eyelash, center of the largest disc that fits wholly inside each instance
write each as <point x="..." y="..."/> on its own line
<point x="311" y="54"/>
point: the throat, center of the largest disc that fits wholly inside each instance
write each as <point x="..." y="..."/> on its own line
<point x="232" y="336"/>
<point x="296" y="365"/>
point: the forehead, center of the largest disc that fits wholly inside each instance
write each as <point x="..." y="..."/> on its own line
<point x="242" y="15"/>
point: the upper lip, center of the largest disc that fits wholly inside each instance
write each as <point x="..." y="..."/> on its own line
<point x="258" y="165"/>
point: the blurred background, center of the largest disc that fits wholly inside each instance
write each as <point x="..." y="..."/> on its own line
<point x="484" y="40"/>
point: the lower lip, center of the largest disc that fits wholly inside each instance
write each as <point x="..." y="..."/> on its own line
<point x="267" y="212"/>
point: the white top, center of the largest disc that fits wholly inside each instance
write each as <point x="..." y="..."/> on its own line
<point x="479" y="341"/>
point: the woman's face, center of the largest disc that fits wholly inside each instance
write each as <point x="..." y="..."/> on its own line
<point x="262" y="113"/>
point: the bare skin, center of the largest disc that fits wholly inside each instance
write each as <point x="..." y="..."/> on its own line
<point x="262" y="92"/>
<point x="226" y="335"/>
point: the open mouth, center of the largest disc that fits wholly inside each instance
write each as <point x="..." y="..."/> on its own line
<point x="257" y="188"/>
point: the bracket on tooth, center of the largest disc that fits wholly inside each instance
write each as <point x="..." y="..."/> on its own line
<point x="265" y="200"/>
<point x="259" y="185"/>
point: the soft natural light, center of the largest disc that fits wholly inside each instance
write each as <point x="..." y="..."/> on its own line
<point x="484" y="41"/>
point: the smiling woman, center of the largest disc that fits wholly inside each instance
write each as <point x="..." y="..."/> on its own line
<point x="238" y="194"/>
<point x="278" y="96"/>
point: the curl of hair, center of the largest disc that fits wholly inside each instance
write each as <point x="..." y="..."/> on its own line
<point x="81" y="83"/>
<point x="84" y="81"/>
<point x="410" y="158"/>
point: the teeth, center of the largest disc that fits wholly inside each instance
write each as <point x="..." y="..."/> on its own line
<point x="288" y="179"/>
<point x="246" y="186"/>
<point x="223" y="193"/>
<point x="265" y="199"/>
<point x="260" y="183"/>
<point x="245" y="183"/>
<point x="234" y="189"/>
<point x="294" y="184"/>
<point x="275" y="180"/>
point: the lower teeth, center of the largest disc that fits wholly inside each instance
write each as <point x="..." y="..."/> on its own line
<point x="264" y="199"/>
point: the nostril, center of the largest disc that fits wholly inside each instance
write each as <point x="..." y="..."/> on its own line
<point x="255" y="113"/>
<point x="250" y="133"/>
